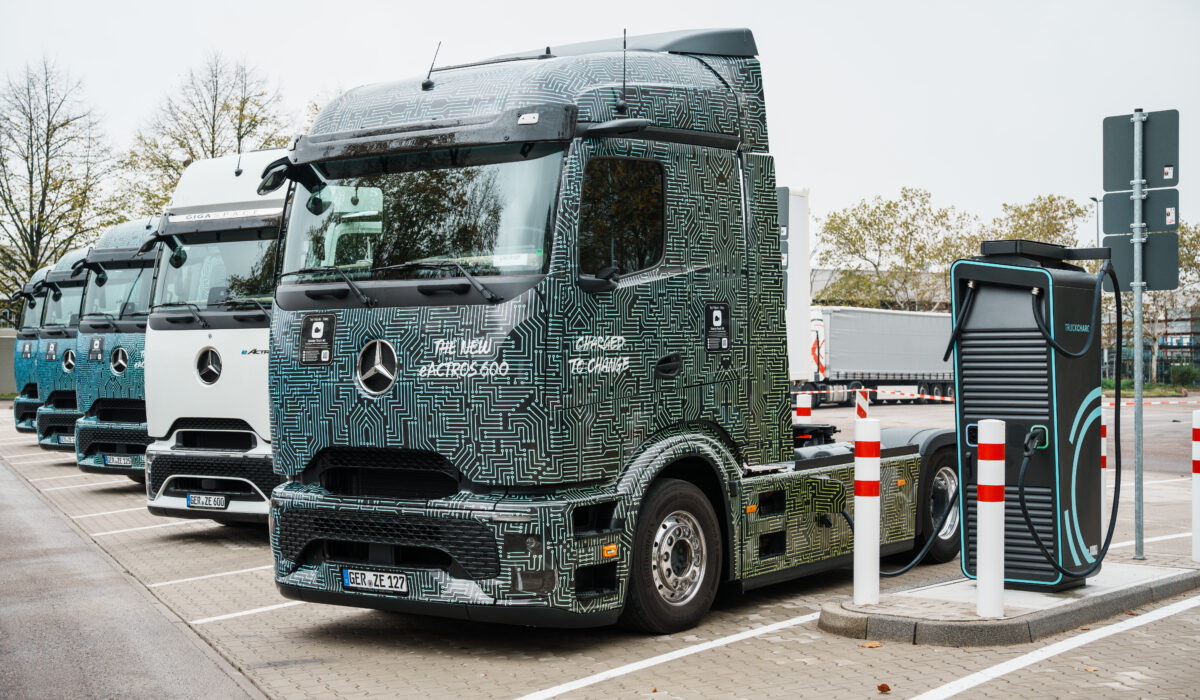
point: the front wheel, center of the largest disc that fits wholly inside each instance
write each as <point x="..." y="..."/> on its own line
<point x="676" y="560"/>
<point x="939" y="483"/>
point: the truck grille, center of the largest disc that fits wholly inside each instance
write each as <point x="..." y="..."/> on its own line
<point x="470" y="544"/>
<point x="119" y="410"/>
<point x="165" y="466"/>
<point x="130" y="440"/>
<point x="1022" y="558"/>
<point x="51" y="422"/>
<point x="1005" y="375"/>
<point x="210" y="424"/>
<point x="383" y="473"/>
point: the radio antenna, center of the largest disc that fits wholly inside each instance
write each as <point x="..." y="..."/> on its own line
<point x="621" y="104"/>
<point x="427" y="84"/>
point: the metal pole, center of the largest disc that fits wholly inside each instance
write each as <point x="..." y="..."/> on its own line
<point x="1139" y="237"/>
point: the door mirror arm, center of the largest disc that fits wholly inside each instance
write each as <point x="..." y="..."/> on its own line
<point x="603" y="281"/>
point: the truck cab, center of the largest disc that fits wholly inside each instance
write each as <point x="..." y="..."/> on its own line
<point x="25" y="353"/>
<point x="110" y="359"/>
<point x="206" y="390"/>
<point x="528" y="360"/>
<point x="56" y="416"/>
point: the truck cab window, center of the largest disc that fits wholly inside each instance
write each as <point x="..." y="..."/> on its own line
<point x="620" y="215"/>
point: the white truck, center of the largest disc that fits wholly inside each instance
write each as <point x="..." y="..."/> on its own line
<point x="206" y="389"/>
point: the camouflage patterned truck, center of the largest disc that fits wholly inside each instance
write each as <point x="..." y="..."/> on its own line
<point x="527" y="353"/>
<point x="56" y="416"/>
<point x="25" y="405"/>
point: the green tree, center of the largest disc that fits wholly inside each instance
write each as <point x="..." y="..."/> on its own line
<point x="53" y="161"/>
<point x="218" y="109"/>
<point x="891" y="252"/>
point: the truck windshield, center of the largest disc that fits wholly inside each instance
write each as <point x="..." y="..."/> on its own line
<point x="487" y="208"/>
<point x="125" y="293"/>
<point x="215" y="272"/>
<point x="31" y="316"/>
<point x="64" y="311"/>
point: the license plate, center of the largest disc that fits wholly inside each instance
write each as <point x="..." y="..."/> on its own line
<point x="118" y="460"/>
<point x="375" y="581"/>
<point x="65" y="439"/>
<point x="202" y="500"/>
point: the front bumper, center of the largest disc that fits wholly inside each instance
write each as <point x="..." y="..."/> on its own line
<point x="489" y="558"/>
<point x="56" y="427"/>
<point x="25" y="413"/>
<point x="244" y="478"/>
<point x="102" y="446"/>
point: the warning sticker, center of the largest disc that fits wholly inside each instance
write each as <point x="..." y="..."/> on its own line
<point x="96" y="348"/>
<point x="716" y="331"/>
<point x="316" y="339"/>
<point x="1170" y="216"/>
<point x="1168" y="172"/>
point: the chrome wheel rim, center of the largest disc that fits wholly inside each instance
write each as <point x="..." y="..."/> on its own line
<point x="679" y="558"/>
<point x="944" y="486"/>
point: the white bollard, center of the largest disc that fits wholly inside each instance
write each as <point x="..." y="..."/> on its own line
<point x="866" y="511"/>
<point x="803" y="409"/>
<point x="861" y="401"/>
<point x="1195" y="485"/>
<point x="989" y="524"/>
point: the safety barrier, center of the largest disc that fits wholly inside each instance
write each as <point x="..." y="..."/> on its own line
<point x="989" y="494"/>
<point x="866" y="511"/>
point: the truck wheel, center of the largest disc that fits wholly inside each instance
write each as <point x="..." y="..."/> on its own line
<point x="949" y="392"/>
<point x="939" y="481"/>
<point x="923" y="390"/>
<point x="676" y="559"/>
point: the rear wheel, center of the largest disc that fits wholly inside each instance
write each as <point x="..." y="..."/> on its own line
<point x="949" y="392"/>
<point x="939" y="483"/>
<point x="676" y="559"/>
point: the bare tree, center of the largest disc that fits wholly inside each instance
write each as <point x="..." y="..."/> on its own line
<point x="53" y="160"/>
<point x="218" y="109"/>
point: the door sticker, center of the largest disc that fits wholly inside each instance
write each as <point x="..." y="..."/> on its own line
<point x="27" y="350"/>
<point x="96" y="349"/>
<point x="716" y="331"/>
<point x="52" y="351"/>
<point x="316" y="339"/>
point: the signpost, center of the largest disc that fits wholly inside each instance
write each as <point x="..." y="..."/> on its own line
<point x="1153" y="163"/>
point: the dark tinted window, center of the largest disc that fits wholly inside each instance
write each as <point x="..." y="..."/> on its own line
<point x="620" y="215"/>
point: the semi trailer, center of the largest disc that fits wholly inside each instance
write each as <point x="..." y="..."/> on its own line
<point x="56" y="364"/>
<point x="897" y="353"/>
<point x="110" y="359"/>
<point x="206" y="390"/>
<point x="528" y="358"/>
<point x="25" y="353"/>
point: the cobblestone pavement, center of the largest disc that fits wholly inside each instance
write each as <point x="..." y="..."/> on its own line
<point x="217" y="578"/>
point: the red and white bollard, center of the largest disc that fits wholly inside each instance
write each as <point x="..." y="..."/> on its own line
<point x="861" y="401"/>
<point x="866" y="511"/>
<point x="803" y="409"/>
<point x="989" y="525"/>
<point x="1195" y="485"/>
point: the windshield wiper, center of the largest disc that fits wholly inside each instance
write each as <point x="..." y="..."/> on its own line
<point x="112" y="322"/>
<point x="247" y="300"/>
<point x="484" y="292"/>
<point x="188" y="305"/>
<point x="362" y="297"/>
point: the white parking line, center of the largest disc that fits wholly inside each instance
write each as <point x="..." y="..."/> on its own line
<point x="83" y="486"/>
<point x="107" y="512"/>
<point x="52" y="478"/>
<point x="31" y="462"/>
<point x="147" y="527"/>
<point x="31" y="438"/>
<point x="669" y="656"/>
<point x="254" y="611"/>
<point x="27" y="454"/>
<point x="201" y="578"/>
<point x="1129" y="482"/>
<point x="955" y="687"/>
<point x="1130" y="543"/>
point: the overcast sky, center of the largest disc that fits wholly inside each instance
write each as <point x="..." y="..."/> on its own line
<point x="980" y="103"/>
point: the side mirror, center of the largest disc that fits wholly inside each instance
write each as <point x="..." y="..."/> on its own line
<point x="101" y="278"/>
<point x="56" y="294"/>
<point x="178" y="257"/>
<point x="603" y="281"/>
<point x="273" y="177"/>
<point x="148" y="245"/>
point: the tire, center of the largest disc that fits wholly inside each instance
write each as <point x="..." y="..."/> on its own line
<point x="852" y="397"/>
<point x="676" y="519"/>
<point x="948" y="392"/>
<point x="939" y="478"/>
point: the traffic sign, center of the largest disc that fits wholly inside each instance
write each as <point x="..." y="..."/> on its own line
<point x="1160" y="211"/>
<point x="1160" y="162"/>
<point x="1160" y="261"/>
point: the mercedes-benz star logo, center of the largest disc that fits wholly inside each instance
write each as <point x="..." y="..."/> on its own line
<point x="119" y="361"/>
<point x="377" y="366"/>
<point x="208" y="365"/>
<point x="68" y="360"/>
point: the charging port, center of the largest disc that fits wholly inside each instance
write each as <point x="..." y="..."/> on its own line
<point x="1042" y="435"/>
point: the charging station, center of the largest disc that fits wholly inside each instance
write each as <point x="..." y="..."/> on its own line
<point x="1025" y="352"/>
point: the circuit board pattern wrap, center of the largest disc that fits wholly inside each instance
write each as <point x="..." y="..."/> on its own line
<point x="96" y="380"/>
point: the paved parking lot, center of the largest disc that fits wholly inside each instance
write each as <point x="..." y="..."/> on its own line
<point x="212" y="584"/>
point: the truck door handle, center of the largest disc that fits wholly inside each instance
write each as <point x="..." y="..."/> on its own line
<point x="668" y="366"/>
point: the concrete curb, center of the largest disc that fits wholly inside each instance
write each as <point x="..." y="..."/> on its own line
<point x="836" y="619"/>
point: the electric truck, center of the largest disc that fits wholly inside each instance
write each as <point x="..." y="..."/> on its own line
<point x="206" y="389"/>
<point x="110" y="435"/>
<point x="56" y="364"/>
<point x="528" y="357"/>
<point x="32" y="297"/>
